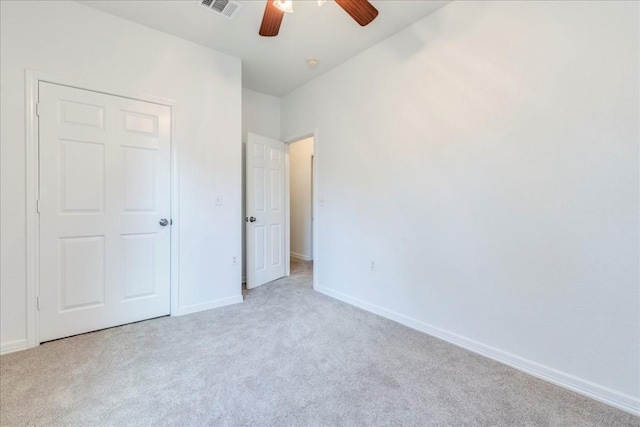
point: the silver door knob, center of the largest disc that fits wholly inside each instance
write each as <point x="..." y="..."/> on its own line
<point x="250" y="219"/>
<point x="164" y="222"/>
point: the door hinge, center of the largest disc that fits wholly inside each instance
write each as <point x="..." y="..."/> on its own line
<point x="38" y="206"/>
<point x="37" y="109"/>
<point x="38" y="302"/>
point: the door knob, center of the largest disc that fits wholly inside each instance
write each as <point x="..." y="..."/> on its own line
<point x="250" y="219"/>
<point x="164" y="222"/>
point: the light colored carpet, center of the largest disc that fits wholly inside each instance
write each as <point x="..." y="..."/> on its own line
<point x="287" y="356"/>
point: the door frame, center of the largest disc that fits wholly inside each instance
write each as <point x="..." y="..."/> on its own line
<point x="32" y="138"/>
<point x="313" y="133"/>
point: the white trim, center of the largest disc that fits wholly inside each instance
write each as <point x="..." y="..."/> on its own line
<point x="195" y="308"/>
<point x="287" y="209"/>
<point x="584" y="387"/>
<point x="32" y="195"/>
<point x="300" y="256"/>
<point x="32" y="79"/>
<point x="314" y="205"/>
<point x="175" y="214"/>
<point x="99" y="87"/>
<point x="315" y="226"/>
<point x="12" y="346"/>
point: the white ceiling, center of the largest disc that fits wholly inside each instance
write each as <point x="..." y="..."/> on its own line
<point x="274" y="65"/>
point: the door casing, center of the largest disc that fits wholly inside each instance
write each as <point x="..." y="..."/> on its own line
<point x="33" y="78"/>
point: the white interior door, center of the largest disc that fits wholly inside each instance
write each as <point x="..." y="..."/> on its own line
<point x="266" y="212"/>
<point x="104" y="189"/>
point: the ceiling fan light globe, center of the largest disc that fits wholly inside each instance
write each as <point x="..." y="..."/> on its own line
<point x="284" y="5"/>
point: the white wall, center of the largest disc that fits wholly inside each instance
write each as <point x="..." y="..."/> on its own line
<point x="260" y="115"/>
<point x="300" y="153"/>
<point x="71" y="41"/>
<point x="486" y="158"/>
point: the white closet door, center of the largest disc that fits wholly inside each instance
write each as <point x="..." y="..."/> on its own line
<point x="104" y="194"/>
<point x="265" y="203"/>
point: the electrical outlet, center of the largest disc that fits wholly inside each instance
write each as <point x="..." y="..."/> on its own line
<point x="373" y="266"/>
<point x="234" y="260"/>
<point x="218" y="201"/>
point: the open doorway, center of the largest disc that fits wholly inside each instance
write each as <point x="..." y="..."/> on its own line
<point x="301" y="158"/>
<point x="279" y="210"/>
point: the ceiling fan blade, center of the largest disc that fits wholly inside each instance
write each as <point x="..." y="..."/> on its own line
<point x="271" y="20"/>
<point x="361" y="10"/>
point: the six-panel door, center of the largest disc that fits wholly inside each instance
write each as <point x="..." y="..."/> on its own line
<point x="265" y="203"/>
<point x="104" y="187"/>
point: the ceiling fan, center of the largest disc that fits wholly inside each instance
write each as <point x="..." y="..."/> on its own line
<point x="361" y="11"/>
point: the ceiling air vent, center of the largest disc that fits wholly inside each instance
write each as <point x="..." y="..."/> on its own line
<point x="226" y="8"/>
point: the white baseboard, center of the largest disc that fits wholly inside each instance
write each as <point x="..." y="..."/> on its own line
<point x="194" y="308"/>
<point x="584" y="387"/>
<point x="300" y="256"/>
<point x="11" y="346"/>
